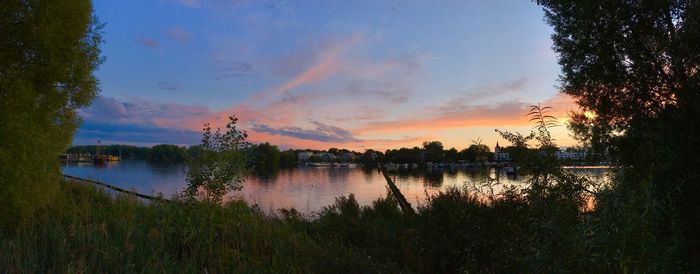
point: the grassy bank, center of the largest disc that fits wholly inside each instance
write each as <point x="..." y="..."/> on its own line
<point x="88" y="231"/>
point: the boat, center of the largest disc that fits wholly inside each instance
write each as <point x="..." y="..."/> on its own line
<point x="99" y="160"/>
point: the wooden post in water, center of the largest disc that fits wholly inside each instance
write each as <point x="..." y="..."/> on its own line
<point x="144" y="196"/>
<point x="403" y="203"/>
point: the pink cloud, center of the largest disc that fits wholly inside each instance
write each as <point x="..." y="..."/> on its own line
<point x="328" y="62"/>
<point x="467" y="116"/>
<point x="147" y="42"/>
<point x="281" y="121"/>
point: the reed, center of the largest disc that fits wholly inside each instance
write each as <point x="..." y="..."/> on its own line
<point x="86" y="230"/>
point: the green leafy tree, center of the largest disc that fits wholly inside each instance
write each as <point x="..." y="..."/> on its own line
<point x="266" y="158"/>
<point x="315" y="159"/>
<point x="48" y="53"/>
<point x="288" y="158"/>
<point x="634" y="69"/>
<point x="218" y="164"/>
<point x="165" y="153"/>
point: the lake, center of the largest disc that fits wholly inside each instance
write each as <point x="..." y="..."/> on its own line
<point x="307" y="189"/>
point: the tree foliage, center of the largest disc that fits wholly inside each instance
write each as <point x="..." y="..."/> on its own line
<point x="288" y="158"/>
<point x="451" y="155"/>
<point x="433" y="151"/>
<point x="476" y="153"/>
<point x="165" y="154"/>
<point x="265" y="158"/>
<point x="405" y="155"/>
<point x="537" y="158"/>
<point x="634" y="68"/>
<point x="48" y="53"/>
<point x="218" y="165"/>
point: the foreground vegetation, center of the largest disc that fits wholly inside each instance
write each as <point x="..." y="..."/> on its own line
<point x="560" y="222"/>
<point x="631" y="66"/>
<point x="542" y="229"/>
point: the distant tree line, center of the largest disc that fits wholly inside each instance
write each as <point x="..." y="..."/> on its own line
<point x="262" y="157"/>
<point x="163" y="153"/>
<point x="125" y="151"/>
<point x="434" y="152"/>
<point x="265" y="157"/>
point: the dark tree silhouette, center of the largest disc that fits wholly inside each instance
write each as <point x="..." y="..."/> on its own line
<point x="265" y="158"/>
<point x="634" y="66"/>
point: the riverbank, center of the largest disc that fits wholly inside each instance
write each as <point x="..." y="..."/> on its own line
<point x="308" y="189"/>
<point x="86" y="230"/>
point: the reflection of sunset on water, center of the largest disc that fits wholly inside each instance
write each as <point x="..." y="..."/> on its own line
<point x="307" y="189"/>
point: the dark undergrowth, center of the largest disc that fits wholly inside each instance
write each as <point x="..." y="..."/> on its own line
<point x="537" y="230"/>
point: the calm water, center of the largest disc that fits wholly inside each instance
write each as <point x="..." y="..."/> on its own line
<point x="308" y="189"/>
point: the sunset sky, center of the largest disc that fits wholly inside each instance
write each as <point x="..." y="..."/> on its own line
<point x="320" y="74"/>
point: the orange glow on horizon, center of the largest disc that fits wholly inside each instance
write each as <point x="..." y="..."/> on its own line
<point x="453" y="129"/>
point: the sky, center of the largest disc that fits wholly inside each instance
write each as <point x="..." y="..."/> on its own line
<point x="320" y="74"/>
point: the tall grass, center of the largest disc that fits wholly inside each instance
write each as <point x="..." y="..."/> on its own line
<point x="535" y="230"/>
<point x="87" y="231"/>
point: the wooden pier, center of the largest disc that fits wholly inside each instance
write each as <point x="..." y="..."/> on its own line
<point x="403" y="203"/>
<point x="129" y="192"/>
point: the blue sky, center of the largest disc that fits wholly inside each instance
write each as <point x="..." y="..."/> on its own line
<point x="320" y="74"/>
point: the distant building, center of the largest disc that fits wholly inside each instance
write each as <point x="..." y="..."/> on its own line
<point x="373" y="156"/>
<point x="304" y="156"/>
<point x="347" y="157"/>
<point x="570" y="155"/>
<point x="77" y="158"/>
<point x="326" y="157"/>
<point x="501" y="156"/>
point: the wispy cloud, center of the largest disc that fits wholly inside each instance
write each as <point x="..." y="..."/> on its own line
<point x="390" y="90"/>
<point x="321" y="132"/>
<point x="361" y="113"/>
<point x="497" y="90"/>
<point x="136" y="122"/>
<point x="511" y="113"/>
<point x="90" y="132"/>
<point x="448" y="116"/>
<point x="147" y="42"/>
<point x="200" y="3"/>
<point x="179" y="34"/>
<point x="164" y="85"/>
<point x="139" y="121"/>
<point x="475" y="96"/>
<point x="140" y="112"/>
<point x="232" y="68"/>
<point x="327" y="63"/>
<point x="343" y="68"/>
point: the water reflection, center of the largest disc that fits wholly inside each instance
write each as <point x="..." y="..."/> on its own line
<point x="268" y="177"/>
<point x="308" y="189"/>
